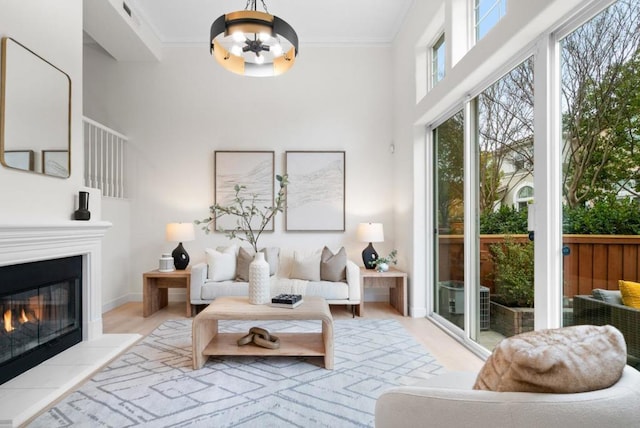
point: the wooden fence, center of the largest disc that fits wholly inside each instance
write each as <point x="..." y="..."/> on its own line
<point x="594" y="261"/>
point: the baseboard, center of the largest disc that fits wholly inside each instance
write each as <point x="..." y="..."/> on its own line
<point x="418" y="312"/>
<point x="106" y="307"/>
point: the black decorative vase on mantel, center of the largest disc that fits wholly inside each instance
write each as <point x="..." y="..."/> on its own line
<point x="82" y="213"/>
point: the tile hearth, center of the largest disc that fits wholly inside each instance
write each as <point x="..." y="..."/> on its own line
<point x="27" y="395"/>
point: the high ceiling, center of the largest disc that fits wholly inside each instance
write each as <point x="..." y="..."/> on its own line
<point x="320" y="22"/>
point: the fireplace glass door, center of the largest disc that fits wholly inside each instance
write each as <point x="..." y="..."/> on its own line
<point x="41" y="314"/>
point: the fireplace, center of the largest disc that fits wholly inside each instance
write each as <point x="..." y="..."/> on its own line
<point x="40" y="312"/>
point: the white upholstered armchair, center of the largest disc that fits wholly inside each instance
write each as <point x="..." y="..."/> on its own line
<point x="449" y="401"/>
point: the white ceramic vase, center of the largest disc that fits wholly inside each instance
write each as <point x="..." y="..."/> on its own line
<point x="259" y="293"/>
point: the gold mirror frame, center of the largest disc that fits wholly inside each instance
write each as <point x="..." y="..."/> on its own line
<point x="47" y="126"/>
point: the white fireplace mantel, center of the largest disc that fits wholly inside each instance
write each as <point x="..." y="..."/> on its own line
<point x="25" y="396"/>
<point x="30" y="242"/>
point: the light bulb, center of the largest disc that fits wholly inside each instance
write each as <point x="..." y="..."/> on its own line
<point x="264" y="37"/>
<point x="238" y="36"/>
<point x="259" y="59"/>
<point x="276" y="50"/>
<point x="236" y="50"/>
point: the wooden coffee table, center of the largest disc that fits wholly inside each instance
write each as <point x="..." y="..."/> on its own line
<point x="207" y="341"/>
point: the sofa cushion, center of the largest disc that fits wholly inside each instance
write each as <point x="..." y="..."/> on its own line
<point x="245" y="257"/>
<point x="306" y="266"/>
<point x="630" y="293"/>
<point x="333" y="267"/>
<point x="214" y="289"/>
<point x="221" y="264"/>
<point x="565" y="360"/>
<point x="328" y="289"/>
<point x="608" y="296"/>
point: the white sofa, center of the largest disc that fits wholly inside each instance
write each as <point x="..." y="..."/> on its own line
<point x="449" y="401"/>
<point x="204" y="290"/>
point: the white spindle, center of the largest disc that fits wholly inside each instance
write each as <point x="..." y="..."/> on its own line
<point x="104" y="159"/>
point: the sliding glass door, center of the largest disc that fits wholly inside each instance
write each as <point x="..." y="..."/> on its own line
<point x="505" y="168"/>
<point x="448" y="206"/>
<point x="600" y="69"/>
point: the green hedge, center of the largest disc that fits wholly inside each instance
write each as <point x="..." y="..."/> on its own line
<point x="607" y="216"/>
<point x="506" y="220"/>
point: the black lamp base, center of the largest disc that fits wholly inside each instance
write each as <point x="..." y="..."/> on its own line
<point x="369" y="255"/>
<point x="180" y="257"/>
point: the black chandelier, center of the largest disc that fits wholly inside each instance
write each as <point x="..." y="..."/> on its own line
<point x="253" y="43"/>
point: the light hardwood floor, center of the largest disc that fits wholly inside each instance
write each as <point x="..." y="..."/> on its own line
<point x="453" y="356"/>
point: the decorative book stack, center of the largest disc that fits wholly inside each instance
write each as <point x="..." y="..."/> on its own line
<point x="286" y="300"/>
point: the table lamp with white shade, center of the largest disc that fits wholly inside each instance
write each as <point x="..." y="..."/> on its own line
<point x="370" y="232"/>
<point x="180" y="232"/>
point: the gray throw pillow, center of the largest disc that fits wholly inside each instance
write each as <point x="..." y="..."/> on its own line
<point x="245" y="257"/>
<point x="333" y="267"/>
<point x="609" y="296"/>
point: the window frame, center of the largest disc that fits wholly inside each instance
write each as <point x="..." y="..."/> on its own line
<point x="434" y="62"/>
<point x="478" y="20"/>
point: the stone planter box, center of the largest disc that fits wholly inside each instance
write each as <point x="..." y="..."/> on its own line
<point x="510" y="321"/>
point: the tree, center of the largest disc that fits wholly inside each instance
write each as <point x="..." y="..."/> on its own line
<point x="600" y="104"/>
<point x="600" y="114"/>
<point x="449" y="139"/>
<point x="505" y="122"/>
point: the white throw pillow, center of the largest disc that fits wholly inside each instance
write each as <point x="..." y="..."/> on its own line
<point x="306" y="266"/>
<point x="221" y="264"/>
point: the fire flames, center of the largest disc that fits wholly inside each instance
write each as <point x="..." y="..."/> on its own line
<point x="8" y="321"/>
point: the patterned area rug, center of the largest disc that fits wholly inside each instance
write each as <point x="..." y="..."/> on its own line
<point x="154" y="385"/>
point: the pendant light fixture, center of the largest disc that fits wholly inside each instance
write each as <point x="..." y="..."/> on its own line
<point x="252" y="43"/>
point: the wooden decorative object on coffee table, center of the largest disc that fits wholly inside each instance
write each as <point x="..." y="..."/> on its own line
<point x="207" y="341"/>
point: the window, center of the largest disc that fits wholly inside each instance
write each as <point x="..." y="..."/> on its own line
<point x="600" y="70"/>
<point x="487" y="14"/>
<point x="525" y="194"/>
<point x="505" y="140"/>
<point x="437" y="61"/>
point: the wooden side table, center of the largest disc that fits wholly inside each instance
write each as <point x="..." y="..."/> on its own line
<point x="394" y="279"/>
<point x="155" y="289"/>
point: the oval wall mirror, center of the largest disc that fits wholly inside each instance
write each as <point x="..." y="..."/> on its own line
<point x="35" y="112"/>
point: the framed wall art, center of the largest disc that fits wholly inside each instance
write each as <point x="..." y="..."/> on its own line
<point x="56" y="163"/>
<point x="255" y="170"/>
<point x="316" y="191"/>
<point x="19" y="159"/>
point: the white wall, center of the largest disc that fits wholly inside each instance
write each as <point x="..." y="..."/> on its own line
<point x="409" y="168"/>
<point x="116" y="254"/>
<point x="177" y="112"/>
<point x="54" y="31"/>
